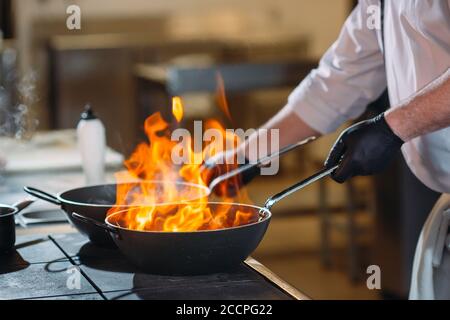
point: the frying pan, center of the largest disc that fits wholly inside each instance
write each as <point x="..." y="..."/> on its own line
<point x="7" y="224"/>
<point x="195" y="252"/>
<point x="95" y="201"/>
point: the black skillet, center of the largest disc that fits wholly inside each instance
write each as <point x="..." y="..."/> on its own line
<point x="95" y="201"/>
<point x="194" y="252"/>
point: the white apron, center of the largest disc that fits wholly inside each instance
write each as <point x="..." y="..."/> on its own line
<point x="431" y="269"/>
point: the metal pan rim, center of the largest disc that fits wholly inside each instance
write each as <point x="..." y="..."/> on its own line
<point x="14" y="210"/>
<point x="268" y="215"/>
<point x="61" y="198"/>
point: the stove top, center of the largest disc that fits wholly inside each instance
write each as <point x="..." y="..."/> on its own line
<point x="68" y="266"/>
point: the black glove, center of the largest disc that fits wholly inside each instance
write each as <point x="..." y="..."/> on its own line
<point x="363" y="149"/>
<point x="230" y="186"/>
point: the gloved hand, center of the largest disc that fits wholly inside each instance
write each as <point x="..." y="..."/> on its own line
<point x="363" y="149"/>
<point x="216" y="166"/>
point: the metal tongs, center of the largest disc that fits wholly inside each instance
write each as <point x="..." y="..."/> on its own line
<point x="257" y="163"/>
<point x="286" y="192"/>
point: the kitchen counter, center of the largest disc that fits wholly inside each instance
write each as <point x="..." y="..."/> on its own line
<point x="54" y="261"/>
<point x="68" y="267"/>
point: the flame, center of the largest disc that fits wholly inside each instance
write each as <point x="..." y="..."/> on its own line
<point x="221" y="97"/>
<point x="151" y="178"/>
<point x="177" y="108"/>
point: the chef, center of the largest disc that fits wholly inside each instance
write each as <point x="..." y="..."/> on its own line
<point x="410" y="55"/>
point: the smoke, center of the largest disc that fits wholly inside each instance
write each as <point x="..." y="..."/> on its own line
<point x="17" y="96"/>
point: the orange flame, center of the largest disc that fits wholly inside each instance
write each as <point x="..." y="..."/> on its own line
<point x="152" y="178"/>
<point x="177" y="108"/>
<point x="221" y="97"/>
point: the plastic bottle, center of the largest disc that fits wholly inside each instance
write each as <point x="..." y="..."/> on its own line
<point x="92" y="145"/>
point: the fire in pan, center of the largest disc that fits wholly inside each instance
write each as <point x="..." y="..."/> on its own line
<point x="194" y="252"/>
<point x="95" y="202"/>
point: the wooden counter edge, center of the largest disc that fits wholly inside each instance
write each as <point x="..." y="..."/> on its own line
<point x="276" y="280"/>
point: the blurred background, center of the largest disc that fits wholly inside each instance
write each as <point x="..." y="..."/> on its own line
<point x="130" y="57"/>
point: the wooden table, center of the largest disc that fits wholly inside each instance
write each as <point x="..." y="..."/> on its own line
<point x="68" y="267"/>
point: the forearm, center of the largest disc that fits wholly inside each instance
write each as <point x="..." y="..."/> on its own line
<point x="425" y="112"/>
<point x="291" y="129"/>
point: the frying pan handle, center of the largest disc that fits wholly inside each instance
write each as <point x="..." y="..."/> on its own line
<point x="298" y="186"/>
<point x="258" y="163"/>
<point x="42" y="195"/>
<point x="22" y="204"/>
<point x="94" y="222"/>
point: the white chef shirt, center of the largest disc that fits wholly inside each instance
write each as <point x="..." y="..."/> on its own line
<point x="353" y="72"/>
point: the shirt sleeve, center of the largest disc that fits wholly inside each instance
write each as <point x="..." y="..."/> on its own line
<point x="350" y="75"/>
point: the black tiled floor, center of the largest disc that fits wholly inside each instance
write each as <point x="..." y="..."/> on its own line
<point x="24" y="275"/>
<point x="241" y="284"/>
<point x="32" y="249"/>
<point x="39" y="280"/>
<point x="243" y="290"/>
<point x="89" y="296"/>
<point x="76" y="245"/>
<point x="118" y="279"/>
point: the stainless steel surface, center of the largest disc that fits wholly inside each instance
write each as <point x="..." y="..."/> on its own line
<point x="40" y="217"/>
